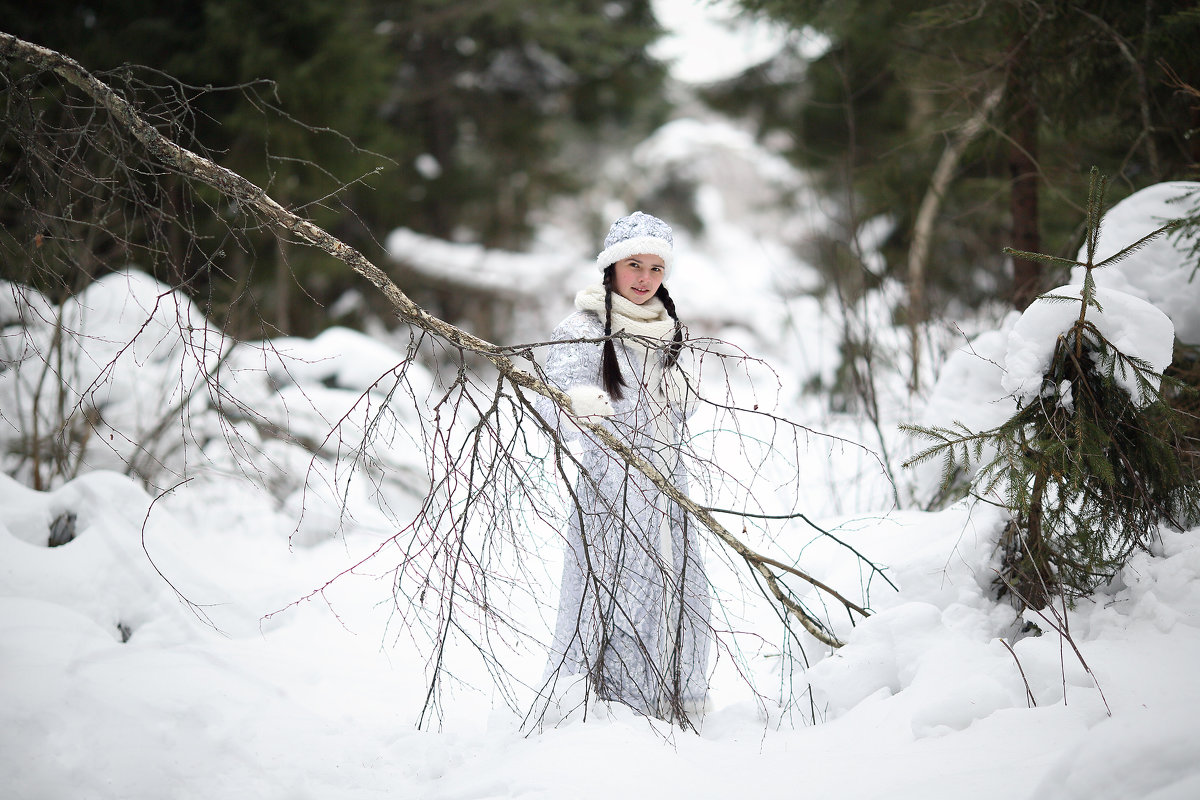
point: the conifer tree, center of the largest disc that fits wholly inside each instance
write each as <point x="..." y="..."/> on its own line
<point x="1087" y="468"/>
<point x="1081" y="83"/>
<point x="451" y="118"/>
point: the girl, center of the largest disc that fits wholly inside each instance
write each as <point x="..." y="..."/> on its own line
<point x="634" y="608"/>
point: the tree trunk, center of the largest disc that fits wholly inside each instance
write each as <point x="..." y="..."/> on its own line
<point x="1196" y="139"/>
<point x="1023" y="171"/>
<point x="931" y="204"/>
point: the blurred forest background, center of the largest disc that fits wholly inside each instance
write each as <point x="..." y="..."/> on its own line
<point x="969" y="125"/>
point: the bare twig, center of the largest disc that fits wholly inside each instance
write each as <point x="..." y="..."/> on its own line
<point x="255" y="200"/>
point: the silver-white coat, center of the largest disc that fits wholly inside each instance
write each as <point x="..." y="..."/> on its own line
<point x="634" y="609"/>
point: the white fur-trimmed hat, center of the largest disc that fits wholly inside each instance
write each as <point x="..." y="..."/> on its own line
<point x="634" y="234"/>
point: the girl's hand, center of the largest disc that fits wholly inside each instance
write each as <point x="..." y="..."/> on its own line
<point x="590" y="401"/>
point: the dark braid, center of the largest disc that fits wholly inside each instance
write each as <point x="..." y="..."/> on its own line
<point x="677" y="342"/>
<point x="610" y="370"/>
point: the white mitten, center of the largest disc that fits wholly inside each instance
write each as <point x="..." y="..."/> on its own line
<point x="590" y="401"/>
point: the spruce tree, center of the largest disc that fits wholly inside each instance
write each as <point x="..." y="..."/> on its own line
<point x="1087" y="469"/>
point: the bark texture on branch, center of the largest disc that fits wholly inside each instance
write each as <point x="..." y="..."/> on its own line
<point x="254" y="200"/>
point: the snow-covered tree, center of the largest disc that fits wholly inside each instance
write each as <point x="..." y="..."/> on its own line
<point x="1095" y="457"/>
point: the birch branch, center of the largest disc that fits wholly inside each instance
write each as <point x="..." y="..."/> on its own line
<point x="253" y="199"/>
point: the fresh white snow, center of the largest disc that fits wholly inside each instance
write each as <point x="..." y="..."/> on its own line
<point x="1154" y="272"/>
<point x="231" y="635"/>
<point x="1132" y="326"/>
<point x="924" y="700"/>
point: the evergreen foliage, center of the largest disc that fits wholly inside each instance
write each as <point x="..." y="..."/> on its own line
<point x="1189" y="223"/>
<point x="275" y="91"/>
<point x="873" y="113"/>
<point x="461" y="120"/>
<point x="1087" y="470"/>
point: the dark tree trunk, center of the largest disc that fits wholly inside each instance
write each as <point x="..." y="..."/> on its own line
<point x="1023" y="172"/>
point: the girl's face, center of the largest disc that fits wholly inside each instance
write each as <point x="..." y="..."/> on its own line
<point x="638" y="277"/>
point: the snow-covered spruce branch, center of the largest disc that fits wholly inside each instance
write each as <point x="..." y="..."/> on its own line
<point x="254" y="200"/>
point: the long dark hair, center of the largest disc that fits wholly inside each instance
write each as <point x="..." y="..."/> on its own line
<point x="610" y="371"/>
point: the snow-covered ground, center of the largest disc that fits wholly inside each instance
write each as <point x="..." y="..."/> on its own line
<point x="113" y="687"/>
<point x="224" y="623"/>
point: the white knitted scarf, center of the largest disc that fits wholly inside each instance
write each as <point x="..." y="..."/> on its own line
<point x="650" y="319"/>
